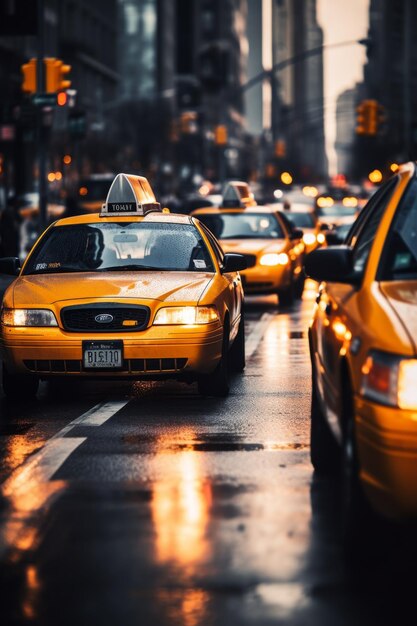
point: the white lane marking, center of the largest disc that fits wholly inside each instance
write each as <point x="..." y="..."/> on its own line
<point x="28" y="488"/>
<point x="255" y="337"/>
<point x="96" y="416"/>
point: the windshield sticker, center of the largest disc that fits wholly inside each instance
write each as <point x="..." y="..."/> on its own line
<point x="41" y="266"/>
<point x="55" y="265"/>
<point x="200" y="263"/>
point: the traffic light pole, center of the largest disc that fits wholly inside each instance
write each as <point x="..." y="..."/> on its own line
<point x="42" y="137"/>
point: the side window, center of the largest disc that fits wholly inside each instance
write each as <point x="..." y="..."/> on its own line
<point x="362" y="239"/>
<point x="367" y="211"/>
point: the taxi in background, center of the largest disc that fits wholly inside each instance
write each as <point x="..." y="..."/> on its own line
<point x="133" y="292"/>
<point x="303" y="216"/>
<point x="364" y="357"/>
<point x="335" y="212"/>
<point x="272" y="247"/>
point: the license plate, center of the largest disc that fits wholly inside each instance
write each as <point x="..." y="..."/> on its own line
<point x="102" y="354"/>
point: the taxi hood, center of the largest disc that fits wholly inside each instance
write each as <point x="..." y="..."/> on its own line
<point x="164" y="286"/>
<point x="402" y="296"/>
<point x="253" y="246"/>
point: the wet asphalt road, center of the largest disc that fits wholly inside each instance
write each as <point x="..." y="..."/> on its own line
<point x="147" y="505"/>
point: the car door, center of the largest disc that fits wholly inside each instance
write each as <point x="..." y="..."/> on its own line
<point x="337" y="317"/>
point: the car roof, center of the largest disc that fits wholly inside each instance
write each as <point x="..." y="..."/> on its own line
<point x="153" y="217"/>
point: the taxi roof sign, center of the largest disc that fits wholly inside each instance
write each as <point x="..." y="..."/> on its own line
<point x="129" y="195"/>
<point x="237" y="194"/>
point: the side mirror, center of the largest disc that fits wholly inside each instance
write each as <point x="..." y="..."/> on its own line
<point x="296" y="233"/>
<point x="334" y="264"/>
<point x="234" y="262"/>
<point x="10" y="265"/>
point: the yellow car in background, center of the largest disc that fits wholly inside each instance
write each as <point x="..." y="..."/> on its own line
<point x="132" y="292"/>
<point x="363" y="345"/>
<point x="273" y="248"/>
<point x="303" y="216"/>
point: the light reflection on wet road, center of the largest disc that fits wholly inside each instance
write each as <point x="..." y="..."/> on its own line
<point x="161" y="507"/>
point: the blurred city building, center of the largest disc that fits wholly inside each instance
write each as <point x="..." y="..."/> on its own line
<point x="298" y="108"/>
<point x="345" y="129"/>
<point x="391" y="80"/>
<point x="84" y="34"/>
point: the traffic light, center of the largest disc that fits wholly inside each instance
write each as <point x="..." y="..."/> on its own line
<point x="29" y="76"/>
<point x="280" y="148"/>
<point x="55" y="76"/>
<point x="369" y="117"/>
<point x="56" y="71"/>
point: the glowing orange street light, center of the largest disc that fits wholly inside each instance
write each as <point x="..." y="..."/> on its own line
<point x="286" y="178"/>
<point x="67" y="159"/>
<point x="375" y="176"/>
<point x="394" y="167"/>
<point x="51" y="177"/>
<point x="58" y="175"/>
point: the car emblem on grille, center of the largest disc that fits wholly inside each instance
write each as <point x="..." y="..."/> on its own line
<point x="104" y="318"/>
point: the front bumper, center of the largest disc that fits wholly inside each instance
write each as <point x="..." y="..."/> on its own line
<point x="262" y="279"/>
<point x="157" y="351"/>
<point x="387" y="449"/>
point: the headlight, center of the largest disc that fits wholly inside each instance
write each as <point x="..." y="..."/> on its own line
<point x="390" y="379"/>
<point x="321" y="238"/>
<point x="274" y="259"/>
<point x="309" y="238"/>
<point x="186" y="315"/>
<point x="28" y="317"/>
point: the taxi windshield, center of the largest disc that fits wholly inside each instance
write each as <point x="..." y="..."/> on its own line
<point x="112" y="246"/>
<point x="337" y="210"/>
<point x="302" y="220"/>
<point x="243" y="225"/>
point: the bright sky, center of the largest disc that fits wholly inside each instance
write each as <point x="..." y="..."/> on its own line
<point x="341" y="20"/>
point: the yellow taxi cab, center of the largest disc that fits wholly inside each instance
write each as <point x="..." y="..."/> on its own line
<point x="132" y="292"/>
<point x="303" y="216"/>
<point x="273" y="248"/>
<point x="364" y="356"/>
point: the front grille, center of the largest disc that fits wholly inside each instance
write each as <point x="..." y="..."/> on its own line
<point x="130" y="366"/>
<point x="250" y="259"/>
<point x="125" y="318"/>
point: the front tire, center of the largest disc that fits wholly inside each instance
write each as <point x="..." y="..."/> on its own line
<point x="218" y="382"/>
<point x="324" y="450"/>
<point x="237" y="351"/>
<point x="360" y="526"/>
<point x="19" y="386"/>
<point x="286" y="296"/>
<point x="299" y="286"/>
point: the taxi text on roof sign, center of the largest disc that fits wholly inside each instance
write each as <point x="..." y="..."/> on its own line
<point x="130" y="195"/>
